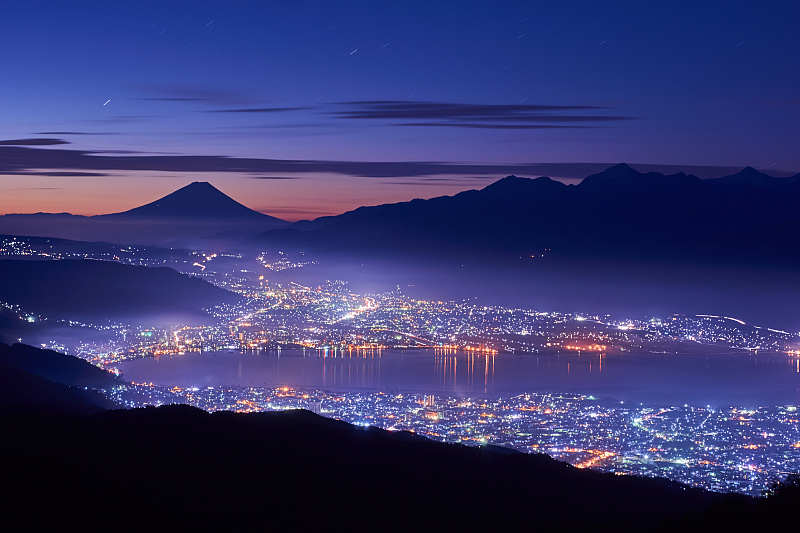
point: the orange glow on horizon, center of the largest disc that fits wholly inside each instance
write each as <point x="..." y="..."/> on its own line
<point x="307" y="197"/>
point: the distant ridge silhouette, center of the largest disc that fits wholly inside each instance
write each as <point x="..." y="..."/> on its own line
<point x="617" y="213"/>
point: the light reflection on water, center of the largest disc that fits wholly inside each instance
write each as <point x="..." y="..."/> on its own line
<point x="716" y="380"/>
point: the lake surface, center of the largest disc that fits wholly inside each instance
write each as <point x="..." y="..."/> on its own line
<point x="718" y="380"/>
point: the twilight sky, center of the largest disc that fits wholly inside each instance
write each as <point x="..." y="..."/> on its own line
<point x="106" y="105"/>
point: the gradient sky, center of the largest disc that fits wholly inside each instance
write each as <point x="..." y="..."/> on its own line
<point x="502" y="84"/>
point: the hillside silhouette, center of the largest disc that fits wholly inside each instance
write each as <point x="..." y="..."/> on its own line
<point x="178" y="466"/>
<point x="54" y="366"/>
<point x="43" y="381"/>
<point x="304" y="472"/>
<point x="103" y="289"/>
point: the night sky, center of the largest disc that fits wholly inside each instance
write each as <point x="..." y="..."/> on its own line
<point x="495" y="85"/>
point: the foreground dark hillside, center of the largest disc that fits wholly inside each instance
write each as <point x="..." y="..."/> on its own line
<point x="44" y="381"/>
<point x="307" y="472"/>
<point x="65" y="458"/>
<point x="181" y="467"/>
<point x="101" y="289"/>
<point x="54" y="366"/>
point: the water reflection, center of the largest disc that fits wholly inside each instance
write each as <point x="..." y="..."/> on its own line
<point x="717" y="379"/>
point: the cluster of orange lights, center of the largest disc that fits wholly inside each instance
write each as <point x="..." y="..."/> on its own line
<point x="481" y="349"/>
<point x="586" y="347"/>
<point x="452" y="348"/>
<point x="598" y="456"/>
<point x="432" y="415"/>
<point x="365" y="346"/>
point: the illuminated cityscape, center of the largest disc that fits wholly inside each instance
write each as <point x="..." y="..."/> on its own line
<point x="730" y="449"/>
<point x="272" y="314"/>
<point x="400" y="266"/>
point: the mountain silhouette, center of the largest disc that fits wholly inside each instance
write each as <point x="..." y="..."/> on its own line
<point x="53" y="366"/>
<point x="199" y="200"/>
<point x="89" y="289"/>
<point x="197" y="215"/>
<point x="43" y="381"/>
<point x="751" y="177"/>
<point x="619" y="213"/>
<point x="620" y="241"/>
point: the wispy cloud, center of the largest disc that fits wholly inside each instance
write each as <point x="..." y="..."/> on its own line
<point x="27" y="158"/>
<point x="56" y="174"/>
<point x="75" y="133"/>
<point x="123" y="119"/>
<point x="37" y="188"/>
<point x="258" y="110"/>
<point x="188" y="93"/>
<point x="41" y="141"/>
<point x="172" y="99"/>
<point x="482" y="116"/>
<point x="490" y="126"/>
<point x="274" y="177"/>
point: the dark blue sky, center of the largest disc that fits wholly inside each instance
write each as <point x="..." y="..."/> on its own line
<point x="710" y="84"/>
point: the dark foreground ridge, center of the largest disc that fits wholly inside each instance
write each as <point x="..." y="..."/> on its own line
<point x="306" y="472"/>
<point x="54" y="366"/>
<point x="42" y="381"/>
<point x="180" y="466"/>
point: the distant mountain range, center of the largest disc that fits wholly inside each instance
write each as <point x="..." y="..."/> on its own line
<point x="620" y="213"/>
<point x="620" y="241"/>
<point x="195" y="215"/>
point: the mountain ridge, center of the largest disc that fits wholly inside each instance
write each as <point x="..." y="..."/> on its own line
<point x="616" y="210"/>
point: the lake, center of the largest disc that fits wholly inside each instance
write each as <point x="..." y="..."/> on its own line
<point x="717" y="380"/>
